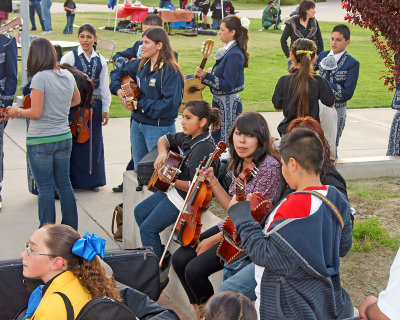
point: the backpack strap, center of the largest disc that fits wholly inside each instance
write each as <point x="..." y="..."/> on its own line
<point x="68" y="306"/>
<point x="327" y="202"/>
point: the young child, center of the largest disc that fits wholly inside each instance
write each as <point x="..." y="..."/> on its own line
<point x="297" y="254"/>
<point x="70" y="8"/>
<point x="341" y="70"/>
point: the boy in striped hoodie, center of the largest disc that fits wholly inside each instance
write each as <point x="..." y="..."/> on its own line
<point x="296" y="253"/>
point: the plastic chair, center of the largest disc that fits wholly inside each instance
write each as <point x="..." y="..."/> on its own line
<point x="106" y="45"/>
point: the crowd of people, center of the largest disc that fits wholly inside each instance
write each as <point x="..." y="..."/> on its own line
<point x="292" y="261"/>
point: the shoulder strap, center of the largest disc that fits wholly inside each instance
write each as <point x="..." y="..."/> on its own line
<point x="327" y="202"/>
<point x="68" y="306"/>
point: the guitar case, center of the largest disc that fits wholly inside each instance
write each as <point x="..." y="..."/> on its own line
<point x="136" y="268"/>
<point x="145" y="167"/>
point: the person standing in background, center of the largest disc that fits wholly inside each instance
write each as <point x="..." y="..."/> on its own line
<point x="303" y="25"/>
<point x="46" y="5"/>
<point x="8" y="79"/>
<point x="34" y="5"/>
<point x="394" y="138"/>
<point x="226" y="78"/>
<point x="70" y="8"/>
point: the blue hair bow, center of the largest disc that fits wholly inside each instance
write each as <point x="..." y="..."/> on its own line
<point x="89" y="246"/>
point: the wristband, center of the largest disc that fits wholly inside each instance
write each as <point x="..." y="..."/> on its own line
<point x="19" y="112"/>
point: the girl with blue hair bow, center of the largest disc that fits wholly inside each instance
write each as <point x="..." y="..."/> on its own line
<point x="66" y="263"/>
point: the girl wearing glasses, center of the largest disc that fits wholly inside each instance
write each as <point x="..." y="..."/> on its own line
<point x="53" y="255"/>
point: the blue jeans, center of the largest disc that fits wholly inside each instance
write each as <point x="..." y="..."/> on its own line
<point x="70" y="24"/>
<point x="49" y="163"/>
<point x="153" y="215"/>
<point x="32" y="8"/>
<point x="215" y="24"/>
<point x="341" y="118"/>
<point x="46" y="4"/>
<point x="275" y="24"/>
<point x="2" y="127"/>
<point x="144" y="137"/>
<point x="240" y="280"/>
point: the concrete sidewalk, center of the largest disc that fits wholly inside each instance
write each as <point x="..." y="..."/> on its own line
<point x="366" y="134"/>
<point x="331" y="10"/>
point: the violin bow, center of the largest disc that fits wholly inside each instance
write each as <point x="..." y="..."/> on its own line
<point x="90" y="139"/>
<point x="189" y="192"/>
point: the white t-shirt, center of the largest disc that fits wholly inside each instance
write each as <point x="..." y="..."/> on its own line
<point x="389" y="299"/>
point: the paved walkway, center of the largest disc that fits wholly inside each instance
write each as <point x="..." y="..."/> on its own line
<point x="330" y="10"/>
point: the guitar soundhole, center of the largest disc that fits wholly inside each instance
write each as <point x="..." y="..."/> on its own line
<point x="193" y="90"/>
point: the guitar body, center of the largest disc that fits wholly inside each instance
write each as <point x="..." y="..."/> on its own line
<point x="193" y="87"/>
<point x="173" y="162"/>
<point x="192" y="90"/>
<point x="131" y="91"/>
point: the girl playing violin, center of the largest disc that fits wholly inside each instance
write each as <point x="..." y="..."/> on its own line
<point x="161" y="209"/>
<point x="86" y="59"/>
<point x="57" y="254"/>
<point x="249" y="141"/>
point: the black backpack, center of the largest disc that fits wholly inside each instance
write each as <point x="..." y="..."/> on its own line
<point x="100" y="309"/>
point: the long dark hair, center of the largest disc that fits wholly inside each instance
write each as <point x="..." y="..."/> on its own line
<point x="254" y="125"/>
<point x="303" y="7"/>
<point x="303" y="50"/>
<point x="203" y="110"/>
<point x="42" y="56"/>
<point x="83" y="82"/>
<point x="89" y="28"/>
<point x="232" y="22"/>
<point x="60" y="240"/>
<point x="229" y="305"/>
<point x="166" y="54"/>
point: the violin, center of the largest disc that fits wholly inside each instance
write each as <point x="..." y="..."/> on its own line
<point x="80" y="128"/>
<point x="26" y="102"/>
<point x="187" y="227"/>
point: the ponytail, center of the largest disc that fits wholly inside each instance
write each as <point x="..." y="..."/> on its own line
<point x="304" y="51"/>
<point x="203" y="110"/>
<point x="91" y="274"/>
<point x="233" y="22"/>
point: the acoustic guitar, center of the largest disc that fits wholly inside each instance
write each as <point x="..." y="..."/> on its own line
<point x="193" y="87"/>
<point x="131" y="91"/>
<point x="169" y="169"/>
<point x="229" y="249"/>
<point x="8" y="27"/>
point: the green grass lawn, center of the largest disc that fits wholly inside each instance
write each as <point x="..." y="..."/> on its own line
<point x="267" y="61"/>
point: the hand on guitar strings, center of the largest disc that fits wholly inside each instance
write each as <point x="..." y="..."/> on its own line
<point x="121" y="96"/>
<point x="234" y="200"/>
<point x="201" y="73"/>
<point x="161" y="158"/>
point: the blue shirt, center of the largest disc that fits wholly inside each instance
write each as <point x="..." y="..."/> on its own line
<point x="161" y="91"/>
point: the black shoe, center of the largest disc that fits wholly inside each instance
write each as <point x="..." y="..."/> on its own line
<point x="33" y="29"/>
<point x="119" y="188"/>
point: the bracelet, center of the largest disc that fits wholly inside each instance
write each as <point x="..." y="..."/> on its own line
<point x="213" y="185"/>
<point x="19" y="112"/>
<point x="173" y="183"/>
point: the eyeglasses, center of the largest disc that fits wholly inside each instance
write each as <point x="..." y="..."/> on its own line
<point x="30" y="253"/>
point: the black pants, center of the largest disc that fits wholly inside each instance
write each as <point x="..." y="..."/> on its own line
<point x="193" y="271"/>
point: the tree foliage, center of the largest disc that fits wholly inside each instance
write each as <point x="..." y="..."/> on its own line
<point x="383" y="18"/>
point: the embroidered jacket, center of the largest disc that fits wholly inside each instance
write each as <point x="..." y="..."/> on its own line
<point x="161" y="91"/>
<point x="343" y="79"/>
<point x="227" y="76"/>
<point x="8" y="70"/>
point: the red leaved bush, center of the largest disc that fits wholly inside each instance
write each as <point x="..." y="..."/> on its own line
<point x="383" y="18"/>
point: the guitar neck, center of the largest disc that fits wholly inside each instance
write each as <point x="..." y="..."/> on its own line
<point x="203" y="63"/>
<point x="240" y="190"/>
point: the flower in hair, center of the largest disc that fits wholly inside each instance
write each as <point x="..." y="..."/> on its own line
<point x="89" y="246"/>
<point x="245" y="22"/>
<point x="306" y="52"/>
